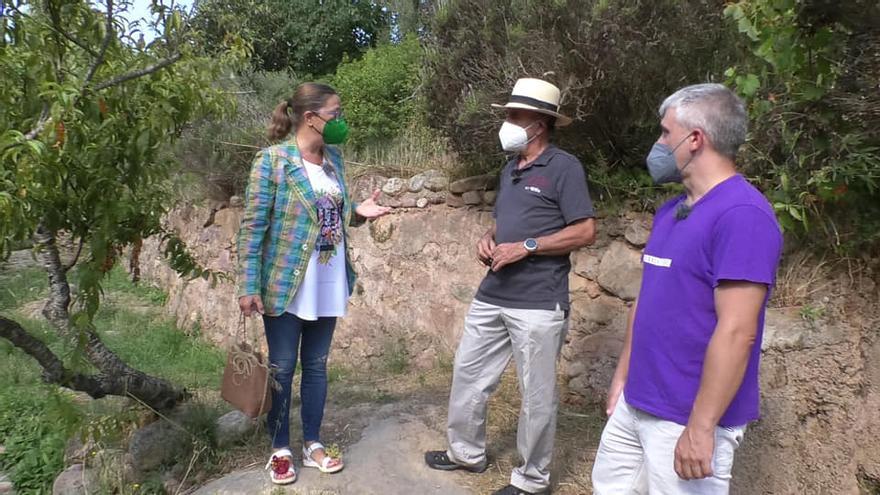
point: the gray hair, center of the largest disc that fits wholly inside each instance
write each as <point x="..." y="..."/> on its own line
<point x="716" y="110"/>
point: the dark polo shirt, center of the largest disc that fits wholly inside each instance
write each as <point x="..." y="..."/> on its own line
<point x="538" y="200"/>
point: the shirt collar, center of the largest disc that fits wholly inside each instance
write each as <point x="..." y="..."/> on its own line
<point x="542" y="160"/>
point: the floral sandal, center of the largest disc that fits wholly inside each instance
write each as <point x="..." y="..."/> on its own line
<point x="326" y="465"/>
<point x="281" y="467"/>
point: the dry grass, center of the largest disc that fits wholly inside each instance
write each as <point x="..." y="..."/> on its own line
<point x="577" y="437"/>
<point x="804" y="278"/>
<point x="416" y="150"/>
<point x="801" y="276"/>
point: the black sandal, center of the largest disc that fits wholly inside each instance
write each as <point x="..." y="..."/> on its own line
<point x="512" y="490"/>
<point x="437" y="459"/>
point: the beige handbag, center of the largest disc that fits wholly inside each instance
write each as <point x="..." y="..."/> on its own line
<point x="247" y="379"/>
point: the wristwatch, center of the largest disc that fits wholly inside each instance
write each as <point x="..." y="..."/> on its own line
<point x="531" y="245"/>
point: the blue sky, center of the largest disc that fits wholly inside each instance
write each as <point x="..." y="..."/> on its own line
<point x="140" y="9"/>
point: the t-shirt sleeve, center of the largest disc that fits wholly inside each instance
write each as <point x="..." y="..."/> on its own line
<point x="498" y="187"/>
<point x="746" y="246"/>
<point x="574" y="198"/>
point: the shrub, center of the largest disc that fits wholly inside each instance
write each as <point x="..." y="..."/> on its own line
<point x="378" y="91"/>
<point x="808" y="75"/>
<point x="613" y="61"/>
<point x="217" y="153"/>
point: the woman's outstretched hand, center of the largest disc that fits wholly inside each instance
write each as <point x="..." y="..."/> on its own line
<point x="369" y="209"/>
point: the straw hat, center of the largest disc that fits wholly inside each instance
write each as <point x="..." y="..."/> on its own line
<point x="538" y="96"/>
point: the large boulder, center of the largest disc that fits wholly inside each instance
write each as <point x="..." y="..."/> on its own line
<point x="362" y="187"/>
<point x="76" y="480"/>
<point x="637" y="234"/>
<point x="472" y="198"/>
<point x="620" y="271"/>
<point x="233" y="426"/>
<point x="454" y="200"/>
<point x="474" y="183"/>
<point x="435" y="180"/>
<point x="394" y="186"/>
<point x="156" y="444"/>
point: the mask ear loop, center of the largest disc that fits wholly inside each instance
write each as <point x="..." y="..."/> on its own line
<point x="526" y="128"/>
<point x="315" y="128"/>
<point x="692" y="154"/>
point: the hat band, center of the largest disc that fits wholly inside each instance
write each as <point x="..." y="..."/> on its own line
<point x="528" y="100"/>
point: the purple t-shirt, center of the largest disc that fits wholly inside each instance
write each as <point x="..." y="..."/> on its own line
<point x="731" y="233"/>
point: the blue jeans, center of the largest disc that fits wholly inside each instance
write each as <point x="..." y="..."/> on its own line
<point x="285" y="334"/>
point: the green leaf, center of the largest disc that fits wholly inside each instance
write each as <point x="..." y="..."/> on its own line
<point x="748" y="84"/>
<point x="143" y="140"/>
<point x="734" y="10"/>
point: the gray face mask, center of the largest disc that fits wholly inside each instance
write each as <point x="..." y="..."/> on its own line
<point x="661" y="163"/>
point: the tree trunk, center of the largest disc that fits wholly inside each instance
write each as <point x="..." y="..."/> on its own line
<point x="115" y="377"/>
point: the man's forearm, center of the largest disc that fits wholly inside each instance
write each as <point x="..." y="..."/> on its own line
<point x="623" y="361"/>
<point x="573" y="237"/>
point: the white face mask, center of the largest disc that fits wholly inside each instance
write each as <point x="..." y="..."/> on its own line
<point x="514" y="138"/>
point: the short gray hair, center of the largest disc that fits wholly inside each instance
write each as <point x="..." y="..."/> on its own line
<point x="716" y="110"/>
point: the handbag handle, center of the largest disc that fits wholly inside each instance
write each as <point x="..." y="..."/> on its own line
<point x="242" y="324"/>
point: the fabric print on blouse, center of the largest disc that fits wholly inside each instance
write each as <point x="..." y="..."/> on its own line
<point x="329" y="206"/>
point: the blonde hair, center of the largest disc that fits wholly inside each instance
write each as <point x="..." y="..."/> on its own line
<point x="308" y="97"/>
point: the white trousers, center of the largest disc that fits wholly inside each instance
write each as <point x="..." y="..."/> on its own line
<point x="637" y="457"/>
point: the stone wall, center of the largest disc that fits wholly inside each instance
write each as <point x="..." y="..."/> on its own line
<point x="418" y="273"/>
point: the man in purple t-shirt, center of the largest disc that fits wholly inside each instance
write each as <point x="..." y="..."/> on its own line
<point x="686" y="383"/>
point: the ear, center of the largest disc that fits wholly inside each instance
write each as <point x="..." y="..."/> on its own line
<point x="543" y="127"/>
<point x="697" y="139"/>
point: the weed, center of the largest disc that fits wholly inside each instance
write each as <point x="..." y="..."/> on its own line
<point x="35" y="427"/>
<point x="811" y="314"/>
<point x="395" y="358"/>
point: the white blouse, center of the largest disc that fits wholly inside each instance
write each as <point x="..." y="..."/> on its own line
<point x="324" y="288"/>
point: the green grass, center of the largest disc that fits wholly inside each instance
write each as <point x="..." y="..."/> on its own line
<point x="156" y="346"/>
<point x="21" y="287"/>
<point x="35" y="423"/>
<point x="36" y="419"/>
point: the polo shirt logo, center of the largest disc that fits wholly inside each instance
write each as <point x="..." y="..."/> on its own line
<point x="653" y="260"/>
<point x="536" y="184"/>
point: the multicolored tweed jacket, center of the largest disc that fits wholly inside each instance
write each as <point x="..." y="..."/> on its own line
<point x="280" y="225"/>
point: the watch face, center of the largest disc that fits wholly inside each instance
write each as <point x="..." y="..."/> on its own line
<point x="531" y="244"/>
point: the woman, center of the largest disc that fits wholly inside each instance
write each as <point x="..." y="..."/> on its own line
<point x="294" y="267"/>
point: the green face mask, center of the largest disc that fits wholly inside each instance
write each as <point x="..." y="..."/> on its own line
<point x="335" y="130"/>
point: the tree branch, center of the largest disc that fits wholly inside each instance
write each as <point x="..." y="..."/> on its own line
<point x="116" y="377"/>
<point x="97" y="386"/>
<point x="41" y="123"/>
<point x="93" y="68"/>
<point x="76" y="41"/>
<point x="72" y="263"/>
<point x="99" y="59"/>
<point x="56" y="308"/>
<point x="53" y="369"/>
<point x="139" y="73"/>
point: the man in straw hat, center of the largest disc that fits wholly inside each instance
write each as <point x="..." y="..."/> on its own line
<point x="542" y="213"/>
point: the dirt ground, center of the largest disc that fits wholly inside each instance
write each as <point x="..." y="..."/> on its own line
<point x="352" y="408"/>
